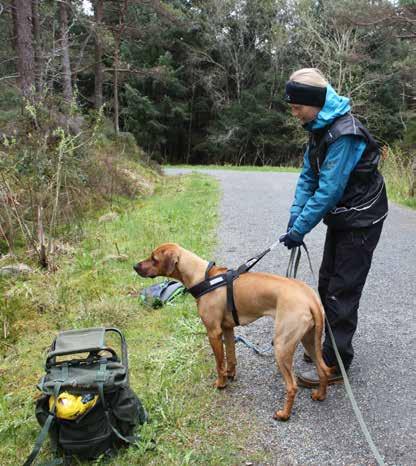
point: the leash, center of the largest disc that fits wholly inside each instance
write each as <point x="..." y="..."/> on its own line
<point x="245" y="267"/>
<point x="295" y="255"/>
<point x="260" y="352"/>
<point x="291" y="272"/>
<point x="293" y="265"/>
<point x="248" y="264"/>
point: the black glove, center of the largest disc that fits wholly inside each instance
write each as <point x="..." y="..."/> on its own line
<point x="291" y="239"/>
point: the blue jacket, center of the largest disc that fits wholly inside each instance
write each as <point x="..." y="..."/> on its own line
<point x="316" y="195"/>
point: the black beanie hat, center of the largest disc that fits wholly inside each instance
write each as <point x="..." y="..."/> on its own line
<point x="304" y="94"/>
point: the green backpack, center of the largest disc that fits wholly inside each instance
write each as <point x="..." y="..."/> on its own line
<point x="83" y="364"/>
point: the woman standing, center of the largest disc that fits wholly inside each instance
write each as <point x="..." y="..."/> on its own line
<point x="339" y="183"/>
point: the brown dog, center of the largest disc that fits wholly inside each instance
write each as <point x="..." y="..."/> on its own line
<point x="294" y="306"/>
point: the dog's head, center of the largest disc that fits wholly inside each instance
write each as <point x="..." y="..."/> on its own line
<point x="162" y="262"/>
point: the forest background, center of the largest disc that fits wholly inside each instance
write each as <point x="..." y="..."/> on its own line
<point x="194" y="82"/>
<point x="94" y="97"/>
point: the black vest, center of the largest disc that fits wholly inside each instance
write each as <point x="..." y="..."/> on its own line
<point x="364" y="201"/>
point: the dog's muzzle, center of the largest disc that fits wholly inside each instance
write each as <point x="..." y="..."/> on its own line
<point x="142" y="271"/>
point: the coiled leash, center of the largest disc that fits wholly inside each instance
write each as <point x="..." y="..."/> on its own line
<point x="292" y="268"/>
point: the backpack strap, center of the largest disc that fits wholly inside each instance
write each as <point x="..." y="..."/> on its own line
<point x="100" y="379"/>
<point x="52" y="414"/>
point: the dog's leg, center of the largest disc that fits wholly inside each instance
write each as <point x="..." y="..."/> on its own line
<point x="286" y="339"/>
<point x="284" y="357"/>
<point x="308" y="342"/>
<point x="215" y="339"/>
<point x="230" y="352"/>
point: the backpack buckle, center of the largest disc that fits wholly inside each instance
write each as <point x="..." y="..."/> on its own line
<point x="101" y="373"/>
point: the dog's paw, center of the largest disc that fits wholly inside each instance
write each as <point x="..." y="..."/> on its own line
<point x="281" y="416"/>
<point x="231" y="375"/>
<point x="317" y="396"/>
<point x="220" y="384"/>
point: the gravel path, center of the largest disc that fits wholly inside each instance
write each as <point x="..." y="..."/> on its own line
<point x="254" y="211"/>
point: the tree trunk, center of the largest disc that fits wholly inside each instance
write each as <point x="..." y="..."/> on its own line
<point x="117" y="42"/>
<point x="116" y="66"/>
<point x="191" y="110"/>
<point x="413" y="178"/>
<point x="37" y="44"/>
<point x="13" y="40"/>
<point x="24" y="39"/>
<point x="98" y="89"/>
<point x="65" y="60"/>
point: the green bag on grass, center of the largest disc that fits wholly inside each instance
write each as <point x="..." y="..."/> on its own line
<point x="161" y="293"/>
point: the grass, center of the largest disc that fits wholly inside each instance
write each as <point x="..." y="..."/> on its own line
<point x="237" y="168"/>
<point x="399" y="178"/>
<point x="171" y="365"/>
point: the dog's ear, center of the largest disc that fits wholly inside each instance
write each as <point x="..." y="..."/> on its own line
<point x="170" y="259"/>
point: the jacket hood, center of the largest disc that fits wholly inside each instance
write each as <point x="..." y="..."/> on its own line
<point x="335" y="106"/>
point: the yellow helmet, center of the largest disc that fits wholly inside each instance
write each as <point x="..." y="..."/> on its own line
<point x="71" y="406"/>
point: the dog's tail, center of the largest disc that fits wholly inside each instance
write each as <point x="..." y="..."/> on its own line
<point x="318" y="314"/>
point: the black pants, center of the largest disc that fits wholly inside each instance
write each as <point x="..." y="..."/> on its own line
<point x="344" y="269"/>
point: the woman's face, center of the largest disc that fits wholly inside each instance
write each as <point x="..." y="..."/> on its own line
<point x="304" y="113"/>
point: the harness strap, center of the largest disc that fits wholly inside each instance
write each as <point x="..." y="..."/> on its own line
<point x="227" y="279"/>
<point x="211" y="284"/>
<point x="209" y="267"/>
<point x="231" y="276"/>
<point x="48" y="423"/>
<point x="208" y="285"/>
<point x="100" y="378"/>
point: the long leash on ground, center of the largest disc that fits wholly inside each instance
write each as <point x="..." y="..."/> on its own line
<point x="257" y="350"/>
<point x="292" y="268"/>
<point x="291" y="272"/>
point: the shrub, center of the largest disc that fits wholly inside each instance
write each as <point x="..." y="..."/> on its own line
<point x="55" y="166"/>
<point x="397" y="168"/>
